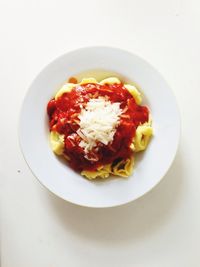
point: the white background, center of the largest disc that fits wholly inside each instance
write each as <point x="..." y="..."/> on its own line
<point x="160" y="229"/>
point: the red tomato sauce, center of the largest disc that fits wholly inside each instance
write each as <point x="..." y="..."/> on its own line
<point x="63" y="118"/>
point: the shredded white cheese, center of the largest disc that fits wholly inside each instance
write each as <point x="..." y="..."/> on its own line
<point x="98" y="122"/>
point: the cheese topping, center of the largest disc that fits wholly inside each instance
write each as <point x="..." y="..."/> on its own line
<point x="98" y="123"/>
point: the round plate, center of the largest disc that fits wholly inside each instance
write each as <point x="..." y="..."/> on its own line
<point x="151" y="165"/>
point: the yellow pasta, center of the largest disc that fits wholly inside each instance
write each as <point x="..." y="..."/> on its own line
<point x="67" y="87"/>
<point x="102" y="172"/>
<point x="142" y="137"/>
<point x="110" y="80"/>
<point x="123" y="168"/>
<point x="57" y="142"/>
<point x="88" y="80"/>
<point x="134" y="92"/>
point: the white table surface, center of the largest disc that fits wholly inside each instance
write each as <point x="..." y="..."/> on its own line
<point x="160" y="229"/>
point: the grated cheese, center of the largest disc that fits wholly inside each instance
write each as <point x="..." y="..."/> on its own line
<point x="98" y="122"/>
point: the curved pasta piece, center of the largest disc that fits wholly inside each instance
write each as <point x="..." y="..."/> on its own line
<point x="134" y="92"/>
<point x="123" y="168"/>
<point x="102" y="172"/>
<point x="88" y="80"/>
<point x="142" y="137"/>
<point x="111" y="80"/>
<point x="67" y="87"/>
<point x="57" y="142"/>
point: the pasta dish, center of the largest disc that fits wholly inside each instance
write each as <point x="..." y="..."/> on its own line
<point x="99" y="126"/>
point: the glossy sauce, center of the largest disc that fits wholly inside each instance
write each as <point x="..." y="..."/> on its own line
<point x="63" y="118"/>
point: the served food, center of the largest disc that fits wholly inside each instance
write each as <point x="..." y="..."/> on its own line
<point x="99" y="126"/>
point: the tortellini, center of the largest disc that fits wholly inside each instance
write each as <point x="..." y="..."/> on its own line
<point x="88" y="80"/>
<point x="57" y="142"/>
<point x="111" y="80"/>
<point x="67" y="87"/>
<point x="134" y="92"/>
<point x="123" y="168"/>
<point x="142" y="137"/>
<point x="102" y="172"/>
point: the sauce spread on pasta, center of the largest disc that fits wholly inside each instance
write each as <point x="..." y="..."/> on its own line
<point x="64" y="118"/>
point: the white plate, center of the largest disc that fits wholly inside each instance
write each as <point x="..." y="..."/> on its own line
<point x="150" y="166"/>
